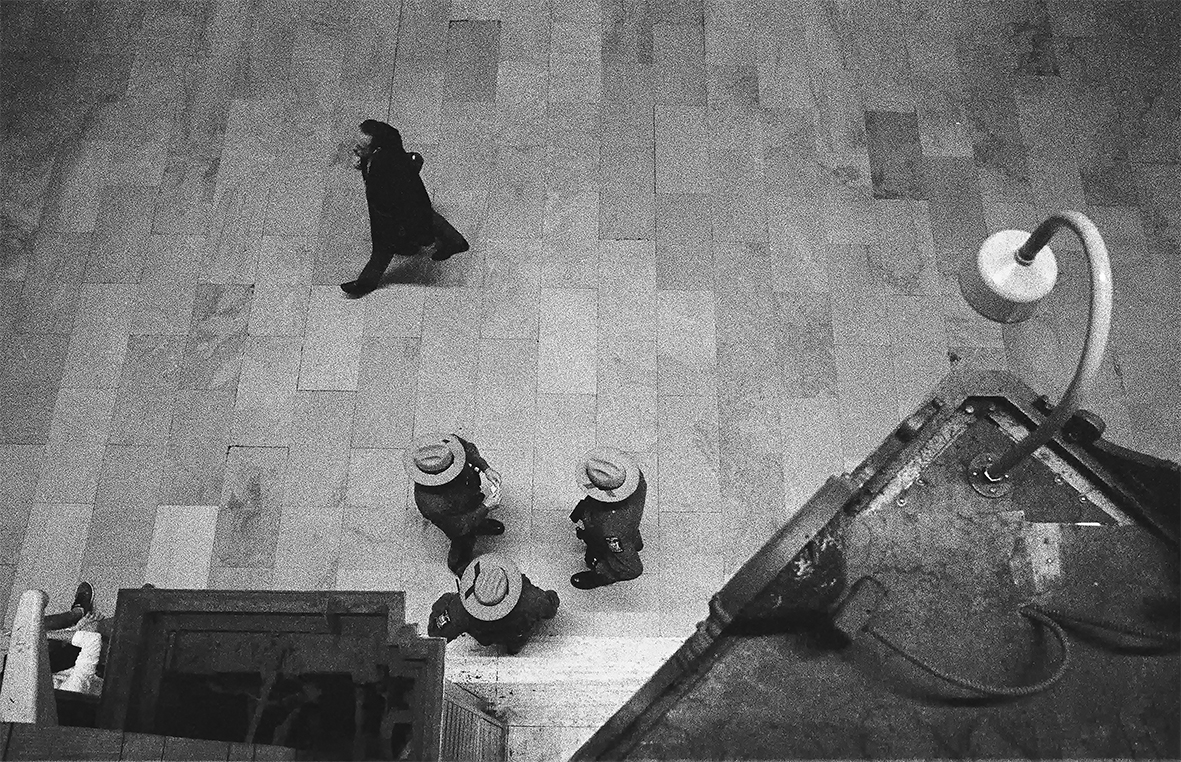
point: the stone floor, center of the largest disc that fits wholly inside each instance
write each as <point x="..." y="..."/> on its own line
<point x="716" y="233"/>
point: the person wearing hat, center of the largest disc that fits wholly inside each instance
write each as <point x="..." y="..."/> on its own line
<point x="446" y="471"/>
<point x="610" y="514"/>
<point x="496" y="604"/>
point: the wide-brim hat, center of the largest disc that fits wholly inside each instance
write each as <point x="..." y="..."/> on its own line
<point x="608" y="474"/>
<point x="490" y="587"/>
<point x="435" y="459"/>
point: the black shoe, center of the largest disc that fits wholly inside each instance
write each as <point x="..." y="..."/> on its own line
<point x="84" y="598"/>
<point x="490" y="527"/>
<point x="587" y="580"/>
<point x="447" y="252"/>
<point x="355" y="288"/>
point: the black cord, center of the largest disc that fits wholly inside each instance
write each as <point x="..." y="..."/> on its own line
<point x="1028" y="611"/>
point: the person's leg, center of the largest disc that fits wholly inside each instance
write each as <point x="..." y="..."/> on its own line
<point x="450" y="240"/>
<point x="90" y="645"/>
<point x="63" y="620"/>
<point x="460" y="554"/>
<point x="371" y="274"/>
<point x="83" y="604"/>
<point x="552" y="597"/>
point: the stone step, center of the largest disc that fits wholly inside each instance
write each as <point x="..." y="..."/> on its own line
<point x="558" y="680"/>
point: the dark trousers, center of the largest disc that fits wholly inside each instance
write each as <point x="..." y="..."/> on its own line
<point x="384" y="248"/>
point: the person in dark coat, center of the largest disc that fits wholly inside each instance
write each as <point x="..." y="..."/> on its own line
<point x="446" y="472"/>
<point x="496" y="604"/>
<point x="401" y="218"/>
<point x="610" y="514"/>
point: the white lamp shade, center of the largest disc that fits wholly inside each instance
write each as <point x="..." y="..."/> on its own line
<point x="1002" y="288"/>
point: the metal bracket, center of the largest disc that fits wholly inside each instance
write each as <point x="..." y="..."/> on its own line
<point x="984" y="485"/>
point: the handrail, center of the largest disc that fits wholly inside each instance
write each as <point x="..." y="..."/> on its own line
<point x="27" y="694"/>
<point x="1099" y="325"/>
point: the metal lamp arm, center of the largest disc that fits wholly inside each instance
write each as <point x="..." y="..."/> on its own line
<point x="1098" y="327"/>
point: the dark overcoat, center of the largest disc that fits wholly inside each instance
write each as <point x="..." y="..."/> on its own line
<point x="449" y="619"/>
<point x="456" y="507"/>
<point x="612" y="533"/>
<point x="399" y="207"/>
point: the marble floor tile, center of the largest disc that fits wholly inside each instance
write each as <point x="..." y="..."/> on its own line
<point x="686" y="343"/>
<point x="626" y="214"/>
<point x="566" y="352"/>
<point x="70" y="471"/>
<point x="332" y="345"/>
<point x="684" y="259"/>
<point x="895" y="155"/>
<point x="804" y="339"/>
<point x="377" y="508"/>
<point x="917" y="321"/>
<point x="182" y="546"/>
<point x="20" y="467"/>
<point x="120" y="242"/>
<point x="744" y="309"/>
<point x="128" y="493"/>
<point x="865" y="373"/>
<point x="513" y="282"/>
<point x="448" y="362"/>
<point x="394" y="311"/>
<point x="798" y="243"/>
<point x="308" y="552"/>
<point x="72" y="205"/>
<point x="184" y="204"/>
<point x="812" y="449"/>
<point x="51" y="556"/>
<point x="688" y="449"/>
<point x="283" y="287"/>
<point x="506" y="391"/>
<point x="48" y="301"/>
<point x="865" y="318"/>
<point x="739" y="208"/>
<point x="319" y="454"/>
<point x="265" y="403"/>
<point x="565" y="433"/>
<point x="682" y="161"/>
<point x="248" y="516"/>
<point x="295" y="201"/>
<point x="386" y="391"/>
<point x="167" y="292"/>
<point x="626" y="416"/>
<point x="82" y="414"/>
<point x="571" y="230"/>
<point x="678" y="58"/>
<point x="918" y="369"/>
<point x="957" y="214"/>
<point x="195" y="456"/>
<point x="99" y="341"/>
<point x="473" y="50"/>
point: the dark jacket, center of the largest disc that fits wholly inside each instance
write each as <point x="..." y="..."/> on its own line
<point x="449" y="619"/>
<point x="456" y="507"/>
<point x="399" y="207"/>
<point x="612" y="533"/>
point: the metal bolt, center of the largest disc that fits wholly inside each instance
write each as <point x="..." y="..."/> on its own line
<point x="921" y="482"/>
<point x="1082" y="498"/>
<point x="1057" y="479"/>
<point x="969" y="409"/>
<point x="901" y="501"/>
<point x="992" y="490"/>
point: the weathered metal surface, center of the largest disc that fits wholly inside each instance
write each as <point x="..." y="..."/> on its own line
<point x="957" y="566"/>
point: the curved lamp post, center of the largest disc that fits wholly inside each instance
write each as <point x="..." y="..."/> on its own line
<point x="1010" y="274"/>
